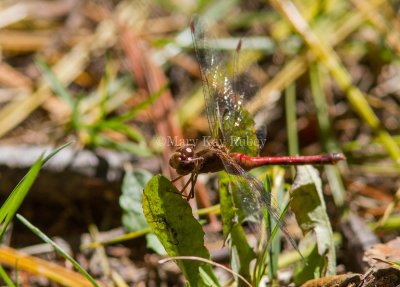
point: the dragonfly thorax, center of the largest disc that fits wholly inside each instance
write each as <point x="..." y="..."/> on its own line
<point x="216" y="146"/>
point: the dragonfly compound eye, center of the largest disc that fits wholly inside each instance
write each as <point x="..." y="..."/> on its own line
<point x="175" y="159"/>
<point x="187" y="152"/>
<point x="182" y="156"/>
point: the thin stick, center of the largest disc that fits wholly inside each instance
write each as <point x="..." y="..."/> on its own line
<point x="208" y="262"/>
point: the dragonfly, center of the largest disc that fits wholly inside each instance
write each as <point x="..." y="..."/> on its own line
<point x="230" y="124"/>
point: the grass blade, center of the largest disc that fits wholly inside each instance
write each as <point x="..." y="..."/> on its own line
<point x="16" y="197"/>
<point x="13" y="202"/>
<point x="291" y="121"/>
<point x="6" y="278"/>
<point x="328" y="141"/>
<point x="331" y="61"/>
<point x="54" y="82"/>
<point x="34" y="265"/>
<point x="57" y="248"/>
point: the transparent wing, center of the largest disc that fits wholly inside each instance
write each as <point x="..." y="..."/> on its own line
<point x="212" y="74"/>
<point x="252" y="198"/>
<point x="224" y="90"/>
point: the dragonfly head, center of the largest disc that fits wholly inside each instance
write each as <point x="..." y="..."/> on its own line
<point x="182" y="160"/>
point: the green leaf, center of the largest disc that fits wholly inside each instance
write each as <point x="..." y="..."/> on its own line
<point x="154" y="244"/>
<point x="208" y="280"/>
<point x="241" y="252"/>
<point x="131" y="203"/>
<point x="171" y="219"/>
<point x="308" y="205"/>
<point x="243" y="139"/>
<point x="131" y="199"/>
<point x="315" y="263"/>
<point x="229" y="211"/>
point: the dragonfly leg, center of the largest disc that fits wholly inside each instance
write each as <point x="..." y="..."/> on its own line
<point x="198" y="162"/>
<point x="194" y="179"/>
<point x="177" y="178"/>
<point x="181" y="192"/>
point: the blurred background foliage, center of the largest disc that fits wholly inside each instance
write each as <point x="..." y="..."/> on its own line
<point x="122" y="75"/>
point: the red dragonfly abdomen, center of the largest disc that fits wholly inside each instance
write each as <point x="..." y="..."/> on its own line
<point x="249" y="162"/>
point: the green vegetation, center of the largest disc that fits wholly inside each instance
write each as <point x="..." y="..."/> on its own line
<point x="122" y="77"/>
